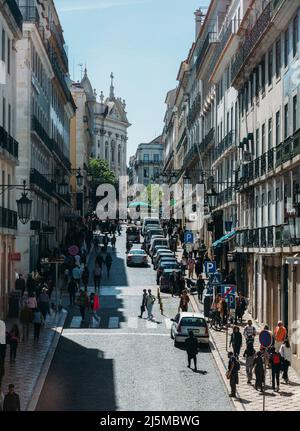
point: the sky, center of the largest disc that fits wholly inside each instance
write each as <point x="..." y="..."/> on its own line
<point x="141" y="41"/>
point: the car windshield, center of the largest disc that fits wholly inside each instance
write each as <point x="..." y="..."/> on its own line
<point x="169" y="265"/>
<point x="132" y="230"/>
<point x="193" y="321"/>
<point x="137" y="252"/>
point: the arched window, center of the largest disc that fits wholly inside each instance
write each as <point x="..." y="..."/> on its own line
<point x="106" y="150"/>
<point x="119" y="154"/>
<point x="112" y="148"/>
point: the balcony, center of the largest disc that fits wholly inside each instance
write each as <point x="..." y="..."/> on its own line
<point x="39" y="130"/>
<point x="8" y="219"/>
<point x="16" y="13"/>
<point x="8" y="143"/>
<point x="209" y="138"/>
<point x="252" y="38"/>
<point x="226" y="143"/>
<point x="210" y="39"/>
<point x="60" y="155"/>
<point x="61" y="77"/>
<point x="31" y="14"/>
<point x="190" y="156"/>
<point x="37" y="179"/>
<point x="60" y="43"/>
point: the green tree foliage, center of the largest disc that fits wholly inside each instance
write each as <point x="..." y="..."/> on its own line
<point x="101" y="173"/>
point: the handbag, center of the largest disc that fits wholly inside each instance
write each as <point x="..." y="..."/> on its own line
<point x="228" y="374"/>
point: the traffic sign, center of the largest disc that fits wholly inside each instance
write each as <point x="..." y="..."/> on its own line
<point x="230" y="299"/>
<point x="188" y="238"/>
<point x="265" y="338"/>
<point x="73" y="250"/>
<point x="215" y="279"/>
<point x="228" y="289"/>
<point x="210" y="267"/>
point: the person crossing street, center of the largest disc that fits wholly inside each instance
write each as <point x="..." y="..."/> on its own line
<point x="149" y="304"/>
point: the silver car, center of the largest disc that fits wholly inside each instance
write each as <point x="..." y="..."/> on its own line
<point x="137" y="257"/>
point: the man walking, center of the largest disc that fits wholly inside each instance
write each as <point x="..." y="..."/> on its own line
<point x="72" y="288"/>
<point x="280" y="333"/>
<point x="108" y="262"/>
<point x="11" y="400"/>
<point x="144" y="303"/>
<point x="97" y="276"/>
<point x="149" y="304"/>
<point x="233" y="373"/>
<point x="200" y="287"/>
<point x="249" y="331"/>
<point x="20" y="284"/>
<point x="191" y="345"/>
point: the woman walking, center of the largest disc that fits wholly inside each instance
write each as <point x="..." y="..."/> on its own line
<point x="236" y="341"/>
<point x="108" y="262"/>
<point x="37" y="323"/>
<point x="249" y="354"/>
<point x="44" y="303"/>
<point x="14" y="338"/>
<point x="85" y="278"/>
<point x="191" y="266"/>
<point x="258" y="366"/>
<point x="285" y="352"/>
<point x="184" y="301"/>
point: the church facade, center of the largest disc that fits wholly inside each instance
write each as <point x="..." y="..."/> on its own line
<point x="110" y="124"/>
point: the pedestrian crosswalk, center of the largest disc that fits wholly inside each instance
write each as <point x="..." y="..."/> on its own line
<point x="114" y="322"/>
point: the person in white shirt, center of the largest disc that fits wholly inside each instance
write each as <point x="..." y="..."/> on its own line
<point x="285" y="352"/>
<point x="249" y="331"/>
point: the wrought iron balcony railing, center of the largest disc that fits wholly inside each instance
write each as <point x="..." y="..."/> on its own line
<point x="8" y="218"/>
<point x="41" y="132"/>
<point x="57" y="150"/>
<point x="209" y="138"/>
<point x="16" y="13"/>
<point x="210" y="38"/>
<point x="36" y="178"/>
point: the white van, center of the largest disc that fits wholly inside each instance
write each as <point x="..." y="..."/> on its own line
<point x="149" y="220"/>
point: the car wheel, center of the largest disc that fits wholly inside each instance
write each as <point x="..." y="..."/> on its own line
<point x="176" y="344"/>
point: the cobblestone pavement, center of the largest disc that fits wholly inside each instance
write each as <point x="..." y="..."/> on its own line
<point x="31" y="357"/>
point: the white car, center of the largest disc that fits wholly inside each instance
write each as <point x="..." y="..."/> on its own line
<point x="137" y="257"/>
<point x="185" y="322"/>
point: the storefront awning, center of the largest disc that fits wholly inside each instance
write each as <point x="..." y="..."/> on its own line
<point x="224" y="239"/>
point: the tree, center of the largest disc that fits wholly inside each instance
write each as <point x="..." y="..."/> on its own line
<point x="101" y="173"/>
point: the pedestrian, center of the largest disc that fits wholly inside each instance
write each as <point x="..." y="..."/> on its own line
<point x="236" y="341"/>
<point x="240" y="308"/>
<point x="275" y="362"/>
<point x="72" y="288"/>
<point x="191" y="345"/>
<point x="198" y="267"/>
<point x="85" y="277"/>
<point x="286" y="356"/>
<point x="25" y="320"/>
<point x="14" y="338"/>
<point x="44" y="303"/>
<point x="249" y="354"/>
<point x="259" y="370"/>
<point x="37" y="321"/>
<point x="113" y="242"/>
<point x="149" y="304"/>
<point x="144" y="303"/>
<point x="184" y="263"/>
<point x="184" y="302"/>
<point x="200" y="287"/>
<point x="223" y="310"/>
<point x="233" y="373"/>
<point x="76" y="274"/>
<point x="97" y="276"/>
<point x="108" y="262"/>
<point x="82" y="302"/>
<point x="99" y="260"/>
<point x="92" y="301"/>
<point x="180" y="284"/>
<point x="249" y="331"/>
<point x="173" y="282"/>
<point x="191" y="266"/>
<point x="280" y="334"/>
<point x="20" y="284"/>
<point x="30" y="285"/>
<point x="11" y="401"/>
<point x="66" y="276"/>
<point x="32" y="302"/>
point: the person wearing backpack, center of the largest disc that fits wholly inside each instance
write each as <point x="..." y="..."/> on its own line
<point x="149" y="304"/>
<point x="275" y="362"/>
<point x="249" y="354"/>
<point x="233" y="373"/>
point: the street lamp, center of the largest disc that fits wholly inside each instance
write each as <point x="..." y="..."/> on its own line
<point x="24" y="206"/>
<point x="212" y="199"/>
<point x="186" y="180"/>
<point x="79" y="178"/>
<point x="63" y="188"/>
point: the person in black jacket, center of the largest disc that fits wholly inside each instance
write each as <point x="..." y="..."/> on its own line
<point x="191" y="345"/>
<point x="11" y="401"/>
<point x="236" y="341"/>
<point x="144" y="303"/>
<point x="200" y="287"/>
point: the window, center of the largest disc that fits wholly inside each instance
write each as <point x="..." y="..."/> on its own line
<point x="156" y="158"/>
<point x="146" y="158"/>
<point x="228" y="122"/>
<point x="231" y="119"/>
<point x="3" y="45"/>
<point x="286" y="120"/>
<point x="278" y="57"/>
<point x="295" y="109"/>
<point x="256" y="210"/>
<point x="257" y="143"/>
<point x="257" y="81"/>
<point x="106" y="150"/>
<point x="270" y="133"/>
<point x="263" y="138"/>
<point x="4" y="113"/>
<point x="262" y="209"/>
<point x="286" y="47"/>
<point x="146" y="172"/>
<point x="270" y="66"/>
<point x="8" y="56"/>
<point x="263" y="73"/>
<point x="251" y="89"/>
<point x="277" y="204"/>
<point x="269" y="207"/>
<point x="9" y="119"/>
<point x="295" y="36"/>
<point x="278" y="128"/>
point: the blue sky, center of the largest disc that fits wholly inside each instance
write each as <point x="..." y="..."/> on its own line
<point x="141" y="41"/>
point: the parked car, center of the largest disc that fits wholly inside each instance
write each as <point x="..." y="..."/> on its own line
<point x="149" y="221"/>
<point x="185" y="322"/>
<point x="168" y="264"/>
<point x="160" y="254"/>
<point x="133" y="234"/>
<point x="137" y="257"/>
<point x="157" y="241"/>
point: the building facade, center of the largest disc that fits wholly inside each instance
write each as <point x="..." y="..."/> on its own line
<point x="44" y="110"/>
<point x="11" y="32"/>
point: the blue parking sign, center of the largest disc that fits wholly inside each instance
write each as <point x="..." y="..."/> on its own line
<point x="230" y="299"/>
<point x="210" y="267"/>
<point x="188" y="238"/>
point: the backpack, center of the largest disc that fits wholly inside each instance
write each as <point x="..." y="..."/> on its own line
<point x="276" y="358"/>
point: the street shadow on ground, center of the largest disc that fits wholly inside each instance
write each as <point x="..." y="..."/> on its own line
<point x="78" y="376"/>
